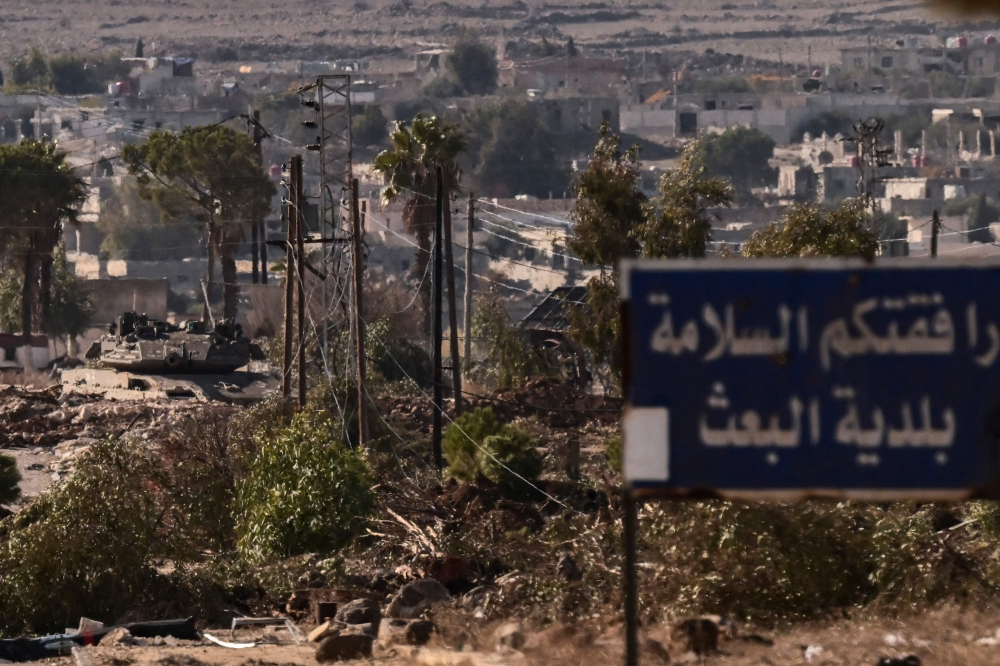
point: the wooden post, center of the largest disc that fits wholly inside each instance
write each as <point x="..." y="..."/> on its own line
<point x="935" y="228"/>
<point x="300" y="265"/>
<point x="449" y="255"/>
<point x="286" y="360"/>
<point x="357" y="234"/>
<point x="436" y="321"/>
<point x="467" y="332"/>
<point x="258" y="138"/>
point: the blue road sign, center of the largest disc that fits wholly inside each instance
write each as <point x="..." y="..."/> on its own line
<point x="795" y="378"/>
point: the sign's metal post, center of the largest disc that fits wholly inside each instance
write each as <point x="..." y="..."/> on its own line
<point x="631" y="520"/>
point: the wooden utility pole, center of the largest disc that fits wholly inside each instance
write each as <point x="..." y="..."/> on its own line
<point x="467" y="331"/>
<point x="357" y="236"/>
<point x="258" y="138"/>
<point x="436" y="321"/>
<point x="449" y="257"/>
<point x="935" y="228"/>
<point x="300" y="265"/>
<point x="291" y="222"/>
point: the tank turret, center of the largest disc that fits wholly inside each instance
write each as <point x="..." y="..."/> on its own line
<point x="137" y="343"/>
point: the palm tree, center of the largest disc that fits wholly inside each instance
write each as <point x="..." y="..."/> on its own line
<point x="38" y="194"/>
<point x="409" y="170"/>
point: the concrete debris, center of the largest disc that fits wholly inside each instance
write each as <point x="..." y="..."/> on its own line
<point x="319" y="633"/>
<point x="344" y="647"/>
<point x="118" y="636"/>
<point x="405" y="632"/>
<point x="416" y="597"/>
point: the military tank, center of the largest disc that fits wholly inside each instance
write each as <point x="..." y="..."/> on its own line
<point x="141" y="358"/>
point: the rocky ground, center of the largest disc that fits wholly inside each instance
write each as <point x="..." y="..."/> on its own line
<point x="459" y="574"/>
<point x="45" y="431"/>
<point x="443" y="636"/>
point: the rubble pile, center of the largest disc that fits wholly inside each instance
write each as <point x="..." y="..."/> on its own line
<point x="48" y="422"/>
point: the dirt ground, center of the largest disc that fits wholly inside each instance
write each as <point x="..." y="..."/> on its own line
<point x="941" y="637"/>
<point x="278" y="29"/>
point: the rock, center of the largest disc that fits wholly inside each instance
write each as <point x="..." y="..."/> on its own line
<point x="508" y="636"/>
<point x="416" y="597"/>
<point x="170" y="641"/>
<point x="360" y="611"/>
<point x="117" y="636"/>
<point x="343" y="647"/>
<point x="367" y="628"/>
<point x="655" y="648"/>
<point x="85" y="413"/>
<point x="319" y="633"/>
<point x="59" y="416"/>
<point x="405" y="632"/>
<point x="699" y="635"/>
<point x="567" y="568"/>
<point x="909" y="660"/>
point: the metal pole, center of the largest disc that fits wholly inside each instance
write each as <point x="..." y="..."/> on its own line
<point x="286" y="360"/>
<point x="935" y="227"/>
<point x="300" y="265"/>
<point x="449" y="256"/>
<point x="436" y="321"/>
<point x="631" y="519"/>
<point x="357" y="233"/>
<point x="467" y="332"/>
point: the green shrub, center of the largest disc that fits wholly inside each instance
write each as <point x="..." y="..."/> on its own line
<point x="304" y="491"/>
<point x="461" y="451"/>
<point x="9" y="478"/>
<point x="476" y="444"/>
<point x="85" y="548"/>
<point x="509" y="459"/>
<point x="613" y="451"/>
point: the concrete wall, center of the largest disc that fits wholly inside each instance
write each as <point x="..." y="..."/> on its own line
<point x="114" y="296"/>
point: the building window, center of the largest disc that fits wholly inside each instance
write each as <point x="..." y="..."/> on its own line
<point x="84" y="116"/>
<point x="710" y="105"/>
<point x="859" y="62"/>
<point x="138" y="124"/>
<point x="66" y="124"/>
<point x="10" y="353"/>
<point x="887" y="62"/>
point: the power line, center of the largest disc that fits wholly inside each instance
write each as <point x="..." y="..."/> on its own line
<point x="461" y="430"/>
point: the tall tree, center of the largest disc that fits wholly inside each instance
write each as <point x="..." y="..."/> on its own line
<point x="613" y="220"/>
<point x="409" y="171"/>
<point x="212" y="174"/>
<point x="511" y="151"/>
<point x="808" y="231"/>
<point x="982" y="213"/>
<point x="741" y="155"/>
<point x="38" y="194"/>
<point x="474" y="65"/>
